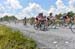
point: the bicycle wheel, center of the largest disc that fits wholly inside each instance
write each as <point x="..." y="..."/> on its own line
<point x="73" y="28"/>
<point x="42" y="27"/>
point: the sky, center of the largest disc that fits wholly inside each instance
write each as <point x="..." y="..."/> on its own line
<point x="31" y="8"/>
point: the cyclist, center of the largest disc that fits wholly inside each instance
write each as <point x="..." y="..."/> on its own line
<point x="45" y="20"/>
<point x="25" y="21"/>
<point x="67" y="19"/>
<point x="50" y="19"/>
<point x="40" y="19"/>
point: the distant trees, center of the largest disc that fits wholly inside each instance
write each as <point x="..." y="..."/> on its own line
<point x="58" y="16"/>
<point x="8" y="18"/>
<point x="32" y="19"/>
<point x="12" y="18"/>
<point x="70" y="14"/>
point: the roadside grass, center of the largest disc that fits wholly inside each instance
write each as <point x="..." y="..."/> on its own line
<point x="13" y="39"/>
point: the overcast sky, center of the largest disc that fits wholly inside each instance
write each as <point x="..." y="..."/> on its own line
<point x="29" y="8"/>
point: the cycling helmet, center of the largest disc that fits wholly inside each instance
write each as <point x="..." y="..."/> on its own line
<point x="50" y="14"/>
<point x="40" y="14"/>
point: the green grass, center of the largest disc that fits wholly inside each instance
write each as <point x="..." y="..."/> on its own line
<point x="11" y="39"/>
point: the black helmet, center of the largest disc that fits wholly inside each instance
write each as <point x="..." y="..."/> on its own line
<point x="50" y="14"/>
<point x="41" y="14"/>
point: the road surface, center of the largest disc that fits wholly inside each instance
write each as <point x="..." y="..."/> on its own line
<point x="61" y="38"/>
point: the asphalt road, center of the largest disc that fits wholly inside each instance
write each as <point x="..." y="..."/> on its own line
<point x="61" y="38"/>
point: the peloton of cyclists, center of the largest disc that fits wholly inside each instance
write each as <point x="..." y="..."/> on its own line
<point x="51" y="19"/>
<point x="40" y="18"/>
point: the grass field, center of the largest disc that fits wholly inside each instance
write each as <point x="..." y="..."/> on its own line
<point x="12" y="39"/>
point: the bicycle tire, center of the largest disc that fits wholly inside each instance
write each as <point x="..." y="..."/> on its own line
<point x="42" y="27"/>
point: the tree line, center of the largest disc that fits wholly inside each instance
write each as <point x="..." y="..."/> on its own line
<point x="70" y="14"/>
<point x="8" y="18"/>
<point x="31" y="19"/>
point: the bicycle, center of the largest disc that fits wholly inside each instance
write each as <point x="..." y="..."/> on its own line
<point x="40" y="26"/>
<point x="73" y="27"/>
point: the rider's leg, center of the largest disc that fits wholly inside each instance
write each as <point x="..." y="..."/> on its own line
<point x="36" y="22"/>
<point x="46" y="23"/>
